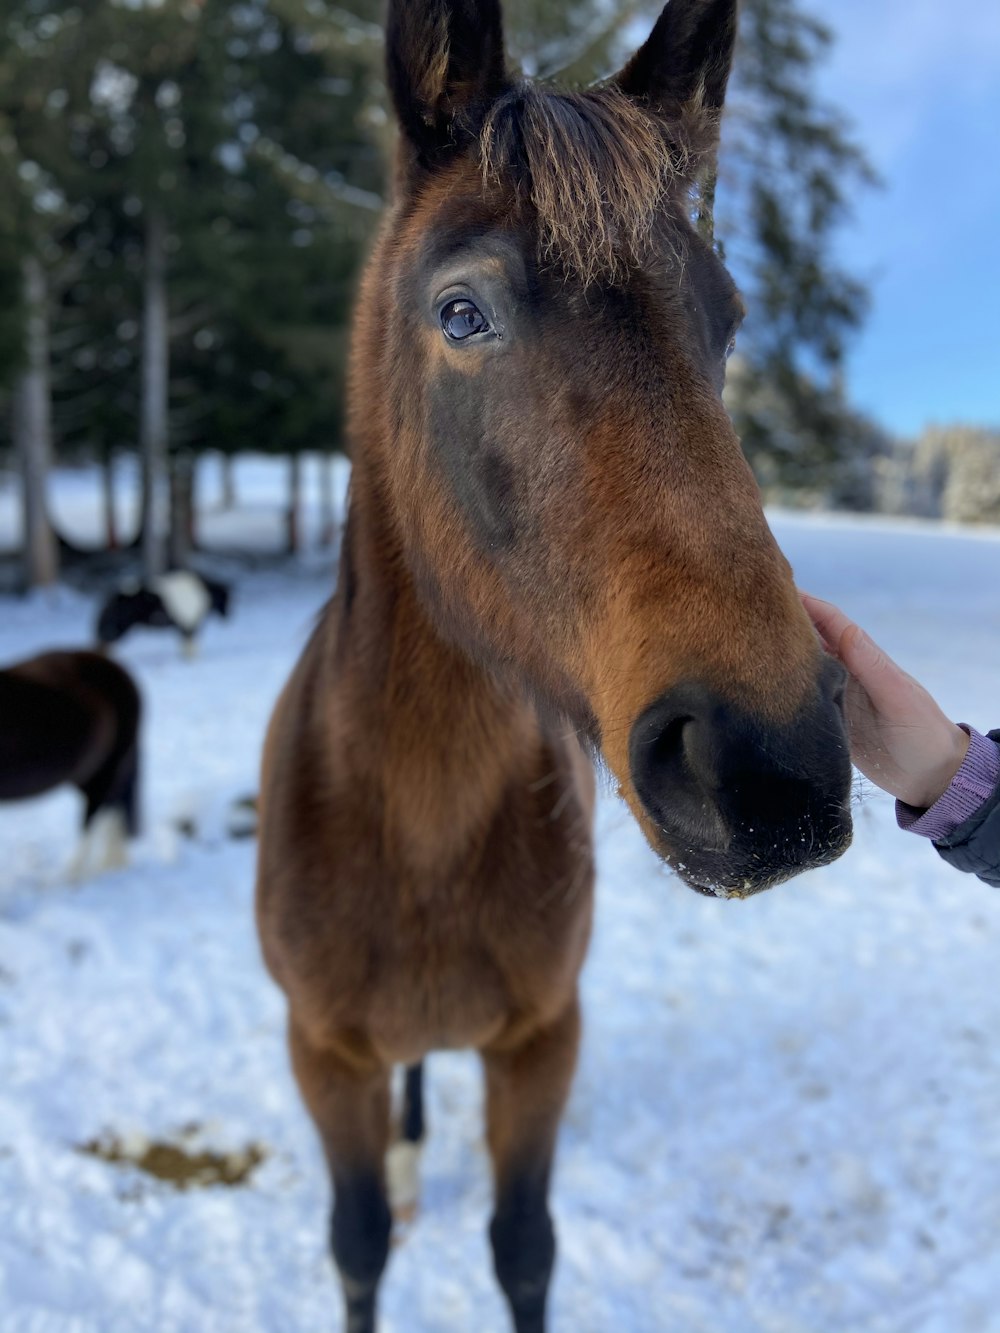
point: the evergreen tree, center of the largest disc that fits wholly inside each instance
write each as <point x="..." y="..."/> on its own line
<point x="31" y="413"/>
<point x="31" y="213"/>
<point x="788" y="169"/>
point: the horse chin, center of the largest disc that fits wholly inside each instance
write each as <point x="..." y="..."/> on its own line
<point x="734" y="888"/>
<point x="721" y="876"/>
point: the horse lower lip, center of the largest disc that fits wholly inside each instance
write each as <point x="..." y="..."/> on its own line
<point x="746" y="886"/>
<point x="704" y="889"/>
<point x="745" y="890"/>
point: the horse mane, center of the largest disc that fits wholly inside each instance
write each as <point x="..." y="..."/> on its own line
<point x="597" y="166"/>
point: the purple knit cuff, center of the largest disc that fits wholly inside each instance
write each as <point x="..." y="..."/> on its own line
<point x="974" y="783"/>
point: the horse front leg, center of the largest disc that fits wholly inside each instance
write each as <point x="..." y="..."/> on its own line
<point x="526" y="1091"/>
<point x="348" y="1100"/>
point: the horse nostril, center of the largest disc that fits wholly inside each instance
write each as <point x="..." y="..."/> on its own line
<point x="670" y="763"/>
<point x="666" y="750"/>
<point x="657" y="757"/>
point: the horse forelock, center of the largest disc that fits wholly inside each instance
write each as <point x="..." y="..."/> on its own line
<point x="598" y="168"/>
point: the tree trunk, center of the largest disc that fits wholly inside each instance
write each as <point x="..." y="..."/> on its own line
<point x="108" y="492"/>
<point x="327" y="518"/>
<point x="182" y="477"/>
<point x="293" y="535"/>
<point x="228" y="498"/>
<point x="155" y="376"/>
<point x="32" y="412"/>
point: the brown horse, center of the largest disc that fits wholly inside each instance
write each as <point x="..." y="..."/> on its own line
<point x="553" y="538"/>
<point x="73" y="717"/>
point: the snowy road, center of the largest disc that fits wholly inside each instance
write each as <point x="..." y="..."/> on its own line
<point x="787" y="1115"/>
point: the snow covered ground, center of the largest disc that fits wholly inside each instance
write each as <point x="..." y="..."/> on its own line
<point x="787" y="1115"/>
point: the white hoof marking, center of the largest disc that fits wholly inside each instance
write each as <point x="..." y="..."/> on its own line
<point x="402" y="1178"/>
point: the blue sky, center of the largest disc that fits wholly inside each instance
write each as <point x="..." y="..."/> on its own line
<point x="920" y="79"/>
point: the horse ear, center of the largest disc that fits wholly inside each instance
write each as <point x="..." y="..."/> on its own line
<point x="683" y="67"/>
<point x="445" y="66"/>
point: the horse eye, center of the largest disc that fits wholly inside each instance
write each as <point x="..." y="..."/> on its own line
<point x="461" y="319"/>
<point x="731" y="347"/>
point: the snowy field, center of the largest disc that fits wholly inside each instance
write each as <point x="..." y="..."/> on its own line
<point x="787" y="1114"/>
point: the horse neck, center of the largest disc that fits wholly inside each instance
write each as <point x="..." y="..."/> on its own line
<point x="440" y="736"/>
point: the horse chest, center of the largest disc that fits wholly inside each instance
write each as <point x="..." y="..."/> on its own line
<point x="447" y="995"/>
<point x="392" y="920"/>
<point x="459" y="965"/>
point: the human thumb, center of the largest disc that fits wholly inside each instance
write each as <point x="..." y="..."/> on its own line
<point x="870" y="666"/>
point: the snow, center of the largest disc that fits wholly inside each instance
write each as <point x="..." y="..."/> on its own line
<point x="787" y="1113"/>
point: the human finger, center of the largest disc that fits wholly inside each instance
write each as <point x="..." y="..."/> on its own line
<point x="829" y="620"/>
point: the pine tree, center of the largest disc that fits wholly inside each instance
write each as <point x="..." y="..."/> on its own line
<point x="31" y="211"/>
<point x="306" y="172"/>
<point x="32" y="429"/>
<point x="141" y="93"/>
<point x="788" y="169"/>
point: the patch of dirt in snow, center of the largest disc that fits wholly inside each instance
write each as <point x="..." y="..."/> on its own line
<point x="177" y="1164"/>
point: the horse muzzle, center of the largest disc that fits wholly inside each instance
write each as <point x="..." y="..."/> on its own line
<point x="736" y="804"/>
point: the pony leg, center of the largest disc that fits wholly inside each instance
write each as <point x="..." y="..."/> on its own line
<point x="113" y="826"/>
<point x="526" y="1091"/>
<point x="348" y="1100"/>
<point x="78" y="868"/>
<point x="112" y="810"/>
<point x="104" y="845"/>
<point x="402" y="1163"/>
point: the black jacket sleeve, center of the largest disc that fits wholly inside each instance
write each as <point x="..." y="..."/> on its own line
<point x="975" y="845"/>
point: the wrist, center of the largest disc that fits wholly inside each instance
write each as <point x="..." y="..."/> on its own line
<point x="928" y="787"/>
<point x="975" y="782"/>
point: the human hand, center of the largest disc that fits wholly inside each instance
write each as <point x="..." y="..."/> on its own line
<point x="899" y="737"/>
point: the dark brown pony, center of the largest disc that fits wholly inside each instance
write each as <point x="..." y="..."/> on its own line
<point x="73" y="717"/>
<point x="553" y="543"/>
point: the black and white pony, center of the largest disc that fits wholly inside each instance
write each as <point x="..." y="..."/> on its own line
<point x="181" y="600"/>
<point x="74" y="717"/>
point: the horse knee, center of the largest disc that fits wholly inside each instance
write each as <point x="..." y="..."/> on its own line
<point x="524" y="1251"/>
<point x="359" y="1233"/>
